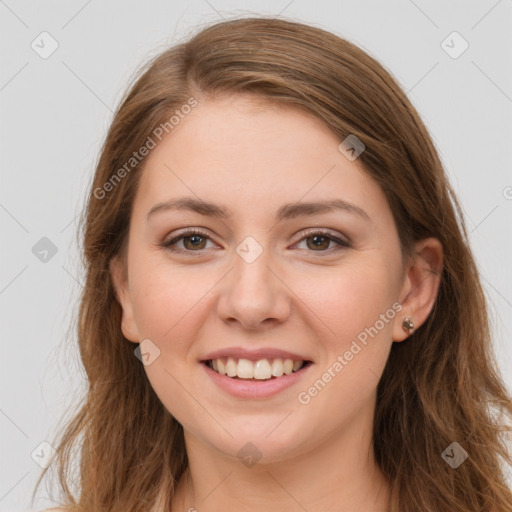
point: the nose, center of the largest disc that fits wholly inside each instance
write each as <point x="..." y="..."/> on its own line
<point x="254" y="295"/>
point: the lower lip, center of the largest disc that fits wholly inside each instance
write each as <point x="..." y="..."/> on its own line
<point x="255" y="388"/>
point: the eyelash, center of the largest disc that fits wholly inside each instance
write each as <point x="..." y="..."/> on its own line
<point x="342" y="244"/>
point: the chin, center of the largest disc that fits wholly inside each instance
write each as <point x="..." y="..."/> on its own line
<point x="256" y="447"/>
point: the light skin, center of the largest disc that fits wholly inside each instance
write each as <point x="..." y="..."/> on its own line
<point x="310" y="299"/>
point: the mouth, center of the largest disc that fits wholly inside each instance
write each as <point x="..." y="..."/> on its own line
<point x="262" y="369"/>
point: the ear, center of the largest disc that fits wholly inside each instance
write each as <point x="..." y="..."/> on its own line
<point x="422" y="278"/>
<point x="119" y="278"/>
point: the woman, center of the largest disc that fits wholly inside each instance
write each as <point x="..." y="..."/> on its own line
<point x="281" y="309"/>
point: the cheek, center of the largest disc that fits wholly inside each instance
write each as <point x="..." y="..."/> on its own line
<point x="170" y="309"/>
<point x="357" y="305"/>
<point x="165" y="294"/>
<point x="350" y="299"/>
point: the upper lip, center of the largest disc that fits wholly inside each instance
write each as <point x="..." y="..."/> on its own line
<point x="253" y="355"/>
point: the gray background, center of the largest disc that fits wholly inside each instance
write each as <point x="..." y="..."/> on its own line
<point x="55" y="113"/>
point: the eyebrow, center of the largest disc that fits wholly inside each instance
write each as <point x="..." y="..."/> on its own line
<point x="287" y="211"/>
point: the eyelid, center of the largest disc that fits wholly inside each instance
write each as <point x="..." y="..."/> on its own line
<point x="304" y="234"/>
<point x="340" y="238"/>
<point x="187" y="232"/>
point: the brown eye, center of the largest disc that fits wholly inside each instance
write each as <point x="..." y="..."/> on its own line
<point x="318" y="242"/>
<point x="193" y="241"/>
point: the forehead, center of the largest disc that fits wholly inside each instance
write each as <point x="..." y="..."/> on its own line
<point x="241" y="151"/>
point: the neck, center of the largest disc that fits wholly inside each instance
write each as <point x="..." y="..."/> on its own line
<point x="339" y="474"/>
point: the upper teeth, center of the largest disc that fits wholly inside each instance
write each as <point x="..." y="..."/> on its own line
<point x="261" y="369"/>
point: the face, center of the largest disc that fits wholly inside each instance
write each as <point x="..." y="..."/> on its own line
<point x="263" y="282"/>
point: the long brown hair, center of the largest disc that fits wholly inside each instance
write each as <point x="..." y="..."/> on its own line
<point x="439" y="387"/>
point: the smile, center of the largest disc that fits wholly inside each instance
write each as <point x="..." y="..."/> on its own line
<point x="258" y="379"/>
<point x="262" y="369"/>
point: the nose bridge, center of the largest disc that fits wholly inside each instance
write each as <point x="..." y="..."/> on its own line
<point x="253" y="293"/>
<point x="252" y="264"/>
<point x="252" y="275"/>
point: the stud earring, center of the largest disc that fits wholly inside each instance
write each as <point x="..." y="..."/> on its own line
<point x="408" y="324"/>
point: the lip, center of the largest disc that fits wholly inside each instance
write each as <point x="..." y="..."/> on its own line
<point x="254" y="355"/>
<point x="242" y="388"/>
